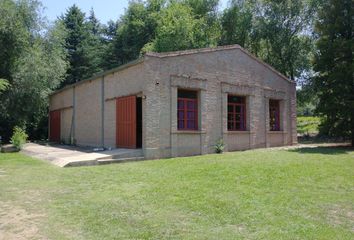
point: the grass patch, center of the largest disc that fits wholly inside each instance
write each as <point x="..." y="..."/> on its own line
<point x="258" y="194"/>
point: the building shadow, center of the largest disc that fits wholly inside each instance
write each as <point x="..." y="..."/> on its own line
<point x="328" y="150"/>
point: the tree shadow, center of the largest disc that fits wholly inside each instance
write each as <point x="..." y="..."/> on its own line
<point x="328" y="150"/>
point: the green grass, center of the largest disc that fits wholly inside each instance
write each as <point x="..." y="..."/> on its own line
<point x="258" y="194"/>
<point x="308" y="125"/>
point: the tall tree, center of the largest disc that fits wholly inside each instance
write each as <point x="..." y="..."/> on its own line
<point x="237" y="26"/>
<point x="176" y="29"/>
<point x="17" y="18"/>
<point x="135" y="28"/>
<point x="94" y="45"/>
<point x="279" y="32"/>
<point x="77" y="33"/>
<point x="110" y="57"/>
<point x="334" y="66"/>
<point x="36" y="61"/>
<point x="181" y="27"/>
<point x="285" y="28"/>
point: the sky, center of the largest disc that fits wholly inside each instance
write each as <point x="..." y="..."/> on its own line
<point x="105" y="10"/>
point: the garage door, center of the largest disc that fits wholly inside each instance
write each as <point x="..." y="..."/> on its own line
<point x="54" y="131"/>
<point x="126" y="122"/>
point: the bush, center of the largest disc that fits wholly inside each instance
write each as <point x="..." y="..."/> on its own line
<point x="308" y="125"/>
<point x="19" y="137"/>
<point x="219" y="146"/>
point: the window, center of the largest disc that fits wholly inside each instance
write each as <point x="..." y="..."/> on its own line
<point x="274" y="115"/>
<point x="236" y="113"/>
<point x="187" y="110"/>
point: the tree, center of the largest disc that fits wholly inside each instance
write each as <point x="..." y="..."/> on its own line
<point x="285" y="28"/>
<point x="94" y="45"/>
<point x="207" y="12"/>
<point x="4" y="84"/>
<point x="279" y="32"/>
<point x="77" y="33"/>
<point x="110" y="54"/>
<point x="176" y="29"/>
<point x="136" y="28"/>
<point x="179" y="28"/>
<point x="17" y="17"/>
<point x="237" y="26"/>
<point x="333" y="64"/>
<point x="37" y="65"/>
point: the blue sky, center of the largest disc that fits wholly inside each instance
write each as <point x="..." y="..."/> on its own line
<point x="104" y="9"/>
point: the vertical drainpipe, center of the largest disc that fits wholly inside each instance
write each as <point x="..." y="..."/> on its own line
<point x="49" y="120"/>
<point x="102" y="112"/>
<point x="73" y="117"/>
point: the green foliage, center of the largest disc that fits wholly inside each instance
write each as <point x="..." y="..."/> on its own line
<point x="34" y="63"/>
<point x="282" y="26"/>
<point x="237" y="25"/>
<point x="308" y="125"/>
<point x="334" y="67"/>
<point x="181" y="27"/>
<point x="134" y="30"/>
<point x="77" y="34"/>
<point x="17" y="19"/>
<point x="219" y="146"/>
<point x="279" y="32"/>
<point x="4" y="84"/>
<point x="19" y="137"/>
<point x="176" y="29"/>
<point x="306" y="101"/>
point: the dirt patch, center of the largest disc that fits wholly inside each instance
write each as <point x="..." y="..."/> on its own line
<point x="17" y="223"/>
<point x="339" y="215"/>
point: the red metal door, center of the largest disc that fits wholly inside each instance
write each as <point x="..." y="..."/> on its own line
<point x="54" y="131"/>
<point x="126" y="122"/>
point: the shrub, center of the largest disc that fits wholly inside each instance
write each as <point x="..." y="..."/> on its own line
<point x="308" y="125"/>
<point x="19" y="137"/>
<point x="219" y="146"/>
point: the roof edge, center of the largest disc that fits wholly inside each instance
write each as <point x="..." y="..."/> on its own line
<point x="191" y="51"/>
<point x="173" y="54"/>
<point x="100" y="74"/>
<point x="214" y="49"/>
<point x="267" y="65"/>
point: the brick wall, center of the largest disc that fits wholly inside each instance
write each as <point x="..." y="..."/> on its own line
<point x="214" y="74"/>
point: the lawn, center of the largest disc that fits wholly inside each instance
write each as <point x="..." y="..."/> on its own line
<point x="260" y="194"/>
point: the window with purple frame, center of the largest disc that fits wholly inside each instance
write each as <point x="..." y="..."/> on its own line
<point x="187" y="110"/>
<point x="274" y="115"/>
<point x="236" y="113"/>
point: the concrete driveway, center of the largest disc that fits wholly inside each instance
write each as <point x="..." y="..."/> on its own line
<point x="66" y="156"/>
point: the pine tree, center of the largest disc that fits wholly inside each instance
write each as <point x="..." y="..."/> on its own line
<point x="74" y="22"/>
<point x="333" y="63"/>
<point x="94" y="45"/>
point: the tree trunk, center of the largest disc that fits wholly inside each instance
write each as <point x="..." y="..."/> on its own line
<point x="352" y="127"/>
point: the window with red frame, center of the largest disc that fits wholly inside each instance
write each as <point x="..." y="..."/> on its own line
<point x="187" y="110"/>
<point x="236" y="113"/>
<point x="274" y="115"/>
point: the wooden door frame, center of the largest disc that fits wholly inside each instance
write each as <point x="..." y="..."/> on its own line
<point x="130" y="140"/>
<point x="51" y="113"/>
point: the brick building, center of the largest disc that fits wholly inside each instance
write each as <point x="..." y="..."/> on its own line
<point x="179" y="104"/>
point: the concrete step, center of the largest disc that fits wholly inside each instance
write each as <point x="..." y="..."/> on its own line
<point x="120" y="160"/>
<point x="122" y="153"/>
